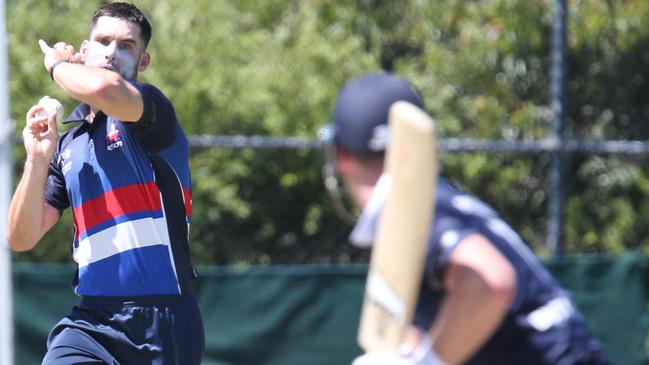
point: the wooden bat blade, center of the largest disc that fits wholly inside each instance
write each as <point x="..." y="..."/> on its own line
<point x="399" y="247"/>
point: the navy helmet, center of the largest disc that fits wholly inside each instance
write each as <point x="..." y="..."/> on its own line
<point x="361" y="112"/>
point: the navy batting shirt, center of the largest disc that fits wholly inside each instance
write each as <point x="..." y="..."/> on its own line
<point x="542" y="325"/>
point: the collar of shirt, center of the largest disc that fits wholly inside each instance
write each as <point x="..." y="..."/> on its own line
<point x="80" y="114"/>
<point x="363" y="233"/>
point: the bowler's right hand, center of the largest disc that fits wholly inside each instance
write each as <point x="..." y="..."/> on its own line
<point x="40" y="134"/>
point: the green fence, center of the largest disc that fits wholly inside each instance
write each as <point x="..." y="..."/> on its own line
<point x="308" y="314"/>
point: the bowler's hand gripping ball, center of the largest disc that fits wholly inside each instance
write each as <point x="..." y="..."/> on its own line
<point x="50" y="105"/>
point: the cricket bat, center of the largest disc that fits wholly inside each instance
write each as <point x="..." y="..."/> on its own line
<point x="399" y="247"/>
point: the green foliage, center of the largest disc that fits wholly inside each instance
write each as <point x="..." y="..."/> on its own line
<point x="274" y="68"/>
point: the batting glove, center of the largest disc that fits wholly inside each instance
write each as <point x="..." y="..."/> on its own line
<point x="424" y="354"/>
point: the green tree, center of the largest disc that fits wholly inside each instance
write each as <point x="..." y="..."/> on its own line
<point x="273" y="68"/>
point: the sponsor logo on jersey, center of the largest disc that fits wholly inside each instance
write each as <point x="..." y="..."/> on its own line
<point x="114" y="138"/>
<point x="64" y="162"/>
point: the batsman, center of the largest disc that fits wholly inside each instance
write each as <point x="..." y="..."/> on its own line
<point x="484" y="297"/>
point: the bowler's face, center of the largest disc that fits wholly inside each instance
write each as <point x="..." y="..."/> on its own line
<point x="116" y="45"/>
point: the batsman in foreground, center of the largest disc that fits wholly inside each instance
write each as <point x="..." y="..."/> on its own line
<point x="484" y="298"/>
<point x="124" y="171"/>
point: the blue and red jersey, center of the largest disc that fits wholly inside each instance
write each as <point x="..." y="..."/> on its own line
<point x="129" y="187"/>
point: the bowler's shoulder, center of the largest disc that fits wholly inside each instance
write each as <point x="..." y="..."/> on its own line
<point x="152" y="95"/>
<point x="145" y="86"/>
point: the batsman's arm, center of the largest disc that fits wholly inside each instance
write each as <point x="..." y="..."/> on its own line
<point x="480" y="284"/>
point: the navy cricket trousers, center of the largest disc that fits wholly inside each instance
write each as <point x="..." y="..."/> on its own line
<point x="149" y="330"/>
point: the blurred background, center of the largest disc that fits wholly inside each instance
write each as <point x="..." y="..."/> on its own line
<point x="273" y="68"/>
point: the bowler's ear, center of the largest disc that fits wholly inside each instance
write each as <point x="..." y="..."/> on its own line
<point x="83" y="50"/>
<point x="145" y="60"/>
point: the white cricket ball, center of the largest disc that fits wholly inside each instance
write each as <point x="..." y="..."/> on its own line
<point x="50" y="105"/>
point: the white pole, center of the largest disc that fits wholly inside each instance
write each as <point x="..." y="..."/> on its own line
<point x="6" y="183"/>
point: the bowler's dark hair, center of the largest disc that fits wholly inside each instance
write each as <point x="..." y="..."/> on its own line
<point x="128" y="12"/>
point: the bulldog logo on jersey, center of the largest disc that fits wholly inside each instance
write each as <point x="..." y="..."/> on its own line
<point x="113" y="137"/>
